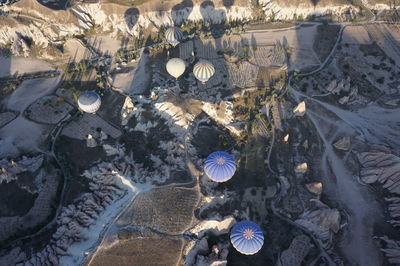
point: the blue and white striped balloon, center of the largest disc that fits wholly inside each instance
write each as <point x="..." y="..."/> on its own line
<point x="174" y="35"/>
<point x="220" y="166"/>
<point x="247" y="237"/>
<point x="203" y="70"/>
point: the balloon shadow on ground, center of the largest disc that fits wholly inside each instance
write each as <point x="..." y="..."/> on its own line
<point x="210" y="15"/>
<point x="131" y="17"/>
<point x="56" y="5"/>
<point x="228" y="3"/>
<point x="181" y="12"/>
<point x="315" y="2"/>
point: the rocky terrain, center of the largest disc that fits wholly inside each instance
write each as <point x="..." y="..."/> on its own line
<point x="305" y="97"/>
<point x="32" y="27"/>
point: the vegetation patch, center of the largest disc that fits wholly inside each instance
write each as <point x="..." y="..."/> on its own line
<point x="325" y="40"/>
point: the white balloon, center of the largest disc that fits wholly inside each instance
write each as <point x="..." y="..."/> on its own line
<point x="176" y="67"/>
<point x="89" y="102"/>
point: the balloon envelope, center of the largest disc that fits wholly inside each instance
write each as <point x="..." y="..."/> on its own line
<point x="247" y="237"/>
<point x="220" y="166"/>
<point x="89" y="102"/>
<point x="203" y="70"/>
<point x="176" y="67"/>
<point x="174" y="35"/>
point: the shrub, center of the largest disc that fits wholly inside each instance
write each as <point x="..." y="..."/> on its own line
<point x="380" y="80"/>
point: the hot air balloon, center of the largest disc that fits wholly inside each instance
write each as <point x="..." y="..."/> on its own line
<point x="203" y="70"/>
<point x="89" y="102"/>
<point x="220" y="166"/>
<point x="176" y="67"/>
<point x="247" y="237"/>
<point x="174" y="35"/>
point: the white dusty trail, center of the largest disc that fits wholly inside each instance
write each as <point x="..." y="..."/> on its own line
<point x="357" y="246"/>
<point x="356" y="243"/>
<point x="375" y="124"/>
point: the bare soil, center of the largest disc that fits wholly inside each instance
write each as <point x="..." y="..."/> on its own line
<point x="135" y="248"/>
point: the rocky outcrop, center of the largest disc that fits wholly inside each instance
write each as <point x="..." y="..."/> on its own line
<point x="44" y="183"/>
<point x="106" y="17"/>
<point x="337" y="88"/>
<point x="7" y="2"/>
<point x="198" y="252"/>
<point x="288" y="10"/>
<point x="342" y="144"/>
<point x="375" y="5"/>
<point x="296" y="253"/>
<point x="122" y="20"/>
<point x="301" y="168"/>
<point x="300" y="109"/>
<point x="214" y="226"/>
<point x="286" y="138"/>
<point x="222" y="113"/>
<point x="315" y="188"/>
<point x="321" y="220"/>
<point x="100" y="15"/>
<point x="111" y="150"/>
<point x="217" y="257"/>
<point x="75" y="218"/>
<point x="343" y="87"/>
<point x="9" y="169"/>
<point x="18" y="34"/>
<point x="381" y="166"/>
<point x="391" y="250"/>
<point x="192" y="249"/>
<point x="20" y="48"/>
<point x="127" y="111"/>
<point x="174" y="114"/>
